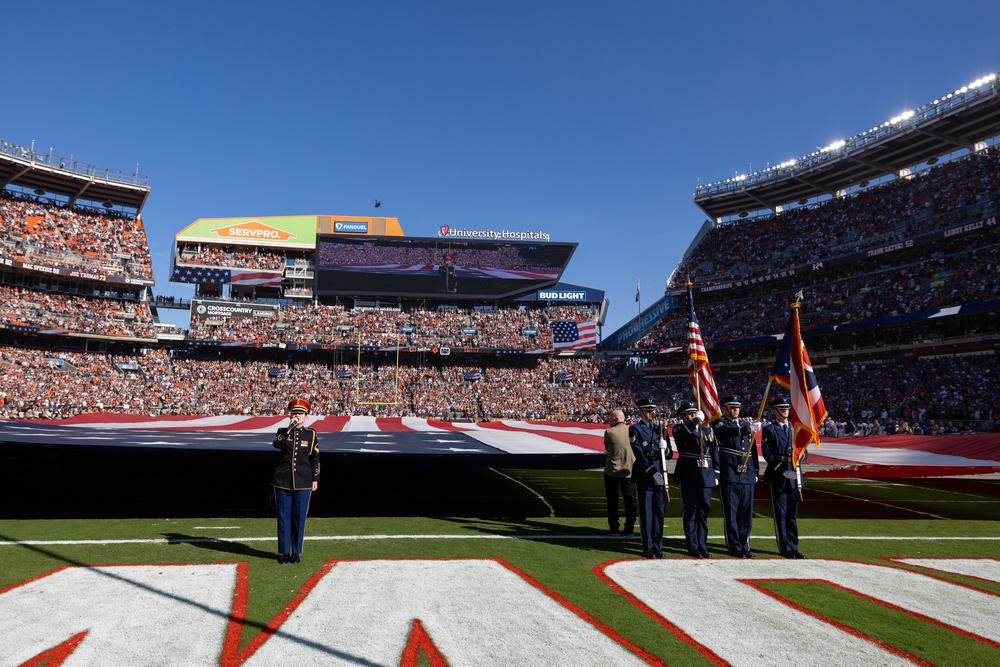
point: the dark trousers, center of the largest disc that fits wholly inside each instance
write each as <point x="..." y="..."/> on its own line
<point x="785" y="503"/>
<point x="292" y="509"/>
<point x="697" y="501"/>
<point x="651" y="505"/>
<point x="613" y="486"/>
<point x="737" y="515"/>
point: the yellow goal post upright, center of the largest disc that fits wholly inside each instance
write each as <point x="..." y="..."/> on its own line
<point x="357" y="378"/>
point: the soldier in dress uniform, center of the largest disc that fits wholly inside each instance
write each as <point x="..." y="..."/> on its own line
<point x="737" y="474"/>
<point x="647" y="439"/>
<point x="697" y="472"/>
<point x="295" y="478"/>
<point x="776" y="445"/>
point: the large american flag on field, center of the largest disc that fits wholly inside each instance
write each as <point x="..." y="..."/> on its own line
<point x="574" y="335"/>
<point x="699" y="372"/>
<point x="209" y="274"/>
<point x="808" y="411"/>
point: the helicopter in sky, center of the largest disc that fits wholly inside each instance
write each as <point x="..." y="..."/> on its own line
<point x="378" y="202"/>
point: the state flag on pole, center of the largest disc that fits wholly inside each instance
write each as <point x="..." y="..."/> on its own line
<point x="699" y="372"/>
<point x="808" y="411"/>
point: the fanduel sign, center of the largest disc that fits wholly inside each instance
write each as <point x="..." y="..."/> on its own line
<point x="561" y="295"/>
<point x="343" y="227"/>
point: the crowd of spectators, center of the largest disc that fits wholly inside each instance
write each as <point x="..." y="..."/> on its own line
<point x="924" y="394"/>
<point x="942" y="275"/>
<point x="944" y="196"/>
<point x="64" y="313"/>
<point x="61" y="236"/>
<point x="230" y="257"/>
<point x="494" y="328"/>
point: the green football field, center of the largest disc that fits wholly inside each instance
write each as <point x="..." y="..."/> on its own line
<point x="549" y="526"/>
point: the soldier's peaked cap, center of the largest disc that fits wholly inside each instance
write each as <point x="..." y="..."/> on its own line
<point x="645" y="404"/>
<point x="780" y="402"/>
<point x="298" y="405"/>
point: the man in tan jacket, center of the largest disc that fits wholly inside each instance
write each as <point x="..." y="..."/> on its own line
<point x="618" y="473"/>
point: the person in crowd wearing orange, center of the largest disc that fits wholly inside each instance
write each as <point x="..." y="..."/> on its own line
<point x="295" y="478"/>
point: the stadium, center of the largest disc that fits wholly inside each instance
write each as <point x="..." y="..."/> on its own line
<point x="461" y="390"/>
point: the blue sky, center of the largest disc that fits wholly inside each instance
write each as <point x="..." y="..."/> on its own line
<point x="593" y="121"/>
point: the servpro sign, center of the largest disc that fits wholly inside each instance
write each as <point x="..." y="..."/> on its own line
<point x="282" y="231"/>
<point x="253" y="230"/>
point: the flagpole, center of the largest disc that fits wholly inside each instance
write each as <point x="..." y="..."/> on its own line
<point x="795" y="464"/>
<point x="697" y="396"/>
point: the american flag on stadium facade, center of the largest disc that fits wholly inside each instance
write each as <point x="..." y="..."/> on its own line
<point x="699" y="372"/>
<point x="574" y="335"/>
<point x="207" y="274"/>
<point x="808" y="411"/>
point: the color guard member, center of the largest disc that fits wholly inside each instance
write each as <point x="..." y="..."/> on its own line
<point x="737" y="474"/>
<point x="776" y="446"/>
<point x="647" y="439"/>
<point x="697" y="472"/>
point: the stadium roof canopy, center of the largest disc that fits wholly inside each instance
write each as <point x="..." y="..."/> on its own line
<point x="955" y="122"/>
<point x="51" y="174"/>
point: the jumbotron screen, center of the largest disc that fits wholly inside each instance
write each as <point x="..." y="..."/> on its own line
<point x="432" y="267"/>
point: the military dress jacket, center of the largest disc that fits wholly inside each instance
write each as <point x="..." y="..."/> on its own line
<point x="645" y="440"/>
<point x="689" y="452"/>
<point x="776" y="446"/>
<point x="298" y="462"/>
<point x="733" y="440"/>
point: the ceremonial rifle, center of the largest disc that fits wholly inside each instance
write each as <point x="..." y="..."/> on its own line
<point x="663" y="458"/>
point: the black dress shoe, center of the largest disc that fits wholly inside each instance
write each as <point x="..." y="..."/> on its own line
<point x="797" y="555"/>
<point x="788" y="554"/>
<point x="747" y="554"/>
<point x="736" y="554"/>
<point x="658" y="554"/>
<point x="295" y="559"/>
<point x="694" y="554"/>
<point x="706" y="555"/>
<point x="649" y="554"/>
<point x="283" y="558"/>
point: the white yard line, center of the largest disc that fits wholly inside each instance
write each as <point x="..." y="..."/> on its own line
<point x="361" y="538"/>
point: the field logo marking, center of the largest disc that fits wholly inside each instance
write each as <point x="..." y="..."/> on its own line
<point x="359" y="613"/>
<point x="717" y="608"/>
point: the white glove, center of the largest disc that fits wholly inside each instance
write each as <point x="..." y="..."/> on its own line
<point x="657" y="479"/>
<point x="754" y="426"/>
<point x="789" y="474"/>
<point x="699" y="417"/>
<point x="716" y="482"/>
<point x="664" y="445"/>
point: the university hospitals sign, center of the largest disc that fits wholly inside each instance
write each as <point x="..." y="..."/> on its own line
<point x="446" y="231"/>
